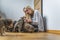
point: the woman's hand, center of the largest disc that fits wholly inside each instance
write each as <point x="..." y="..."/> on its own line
<point x="28" y="20"/>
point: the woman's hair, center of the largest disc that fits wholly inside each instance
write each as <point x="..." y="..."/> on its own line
<point x="28" y="7"/>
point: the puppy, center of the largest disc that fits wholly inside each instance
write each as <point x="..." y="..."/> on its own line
<point x="2" y="27"/>
<point x="5" y="25"/>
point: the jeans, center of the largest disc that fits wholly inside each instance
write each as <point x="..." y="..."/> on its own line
<point x="36" y="27"/>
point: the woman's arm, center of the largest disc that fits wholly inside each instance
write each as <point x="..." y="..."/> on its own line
<point x="35" y="18"/>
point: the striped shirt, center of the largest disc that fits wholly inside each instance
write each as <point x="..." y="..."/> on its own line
<point x="37" y="19"/>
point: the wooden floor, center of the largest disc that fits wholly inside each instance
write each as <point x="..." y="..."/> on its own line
<point x="30" y="36"/>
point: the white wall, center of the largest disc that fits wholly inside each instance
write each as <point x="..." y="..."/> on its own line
<point x="0" y="5"/>
<point x="14" y="8"/>
<point x="51" y="9"/>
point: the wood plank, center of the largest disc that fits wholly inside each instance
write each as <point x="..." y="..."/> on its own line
<point x="54" y="31"/>
<point x="30" y="36"/>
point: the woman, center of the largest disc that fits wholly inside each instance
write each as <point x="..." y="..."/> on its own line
<point x="36" y="18"/>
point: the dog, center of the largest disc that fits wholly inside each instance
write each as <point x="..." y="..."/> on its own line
<point x="2" y="27"/>
<point x="22" y="26"/>
<point x="5" y="25"/>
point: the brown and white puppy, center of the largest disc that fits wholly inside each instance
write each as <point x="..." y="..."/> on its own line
<point x="4" y="25"/>
<point x="27" y="26"/>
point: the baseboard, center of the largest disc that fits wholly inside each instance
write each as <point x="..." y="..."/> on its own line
<point x="54" y="31"/>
